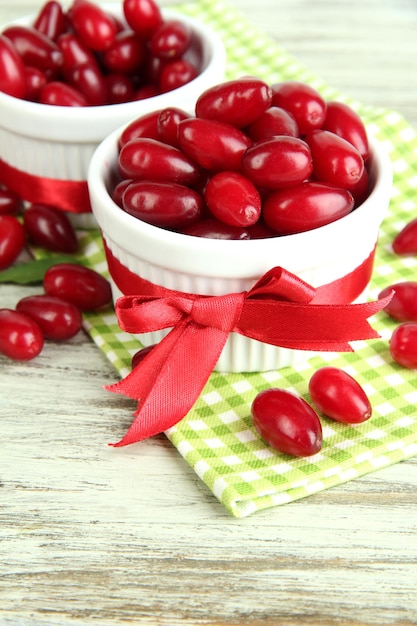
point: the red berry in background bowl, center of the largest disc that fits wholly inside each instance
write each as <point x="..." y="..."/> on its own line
<point x="21" y="338"/>
<point x="339" y="396"/>
<point x="287" y="422"/>
<point x="12" y="70"/>
<point x="403" y="345"/>
<point x="143" y="16"/>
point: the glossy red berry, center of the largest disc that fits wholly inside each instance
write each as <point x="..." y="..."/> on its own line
<point x="403" y="304"/>
<point x="237" y="102"/>
<point x="233" y="199"/>
<point x="58" y="319"/>
<point x="335" y="160"/>
<point x="405" y="242"/>
<point x="305" y="207"/>
<point x="94" y="26"/>
<point x="85" y="288"/>
<point x="287" y="422"/>
<point x="403" y="345"/>
<point x="304" y="103"/>
<point x="12" y="70"/>
<point x="12" y="240"/>
<point x="339" y="396"/>
<point x="21" y="338"/>
<point x="143" y="16"/>
<point x="50" y="228"/>
<point x="278" y="162"/>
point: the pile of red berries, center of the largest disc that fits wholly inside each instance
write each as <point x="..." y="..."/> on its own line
<point x="254" y="161"/>
<point x="68" y="288"/>
<point x="86" y="56"/>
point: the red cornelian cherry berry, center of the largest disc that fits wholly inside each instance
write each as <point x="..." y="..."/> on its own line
<point x="170" y="40"/>
<point x="88" y="80"/>
<point x="339" y="396"/>
<point x="342" y="120"/>
<point x="12" y="240"/>
<point x="35" y="82"/>
<point x="152" y="160"/>
<point x="125" y="55"/>
<point x="287" y="422"/>
<point x="305" y="207"/>
<point x="167" y="124"/>
<point x="21" y="338"/>
<point x="51" y="20"/>
<point x="140" y="355"/>
<point x="403" y="304"/>
<point x="278" y="162"/>
<point x="58" y="93"/>
<point x="50" y="228"/>
<point x="95" y="27"/>
<point x="143" y="16"/>
<point x="59" y="320"/>
<point x="403" y="345"/>
<point x="216" y="146"/>
<point x="168" y="205"/>
<point x="335" y="160"/>
<point x="10" y="202"/>
<point x="144" y="126"/>
<point x="119" y="189"/>
<point x="238" y="102"/>
<point x="304" y="103"/>
<point x="12" y="70"/>
<point x="34" y="48"/>
<point x="360" y="191"/>
<point x="119" y="88"/>
<point x="274" y="121"/>
<point x="233" y="199"/>
<point x="175" y="74"/>
<point x="405" y="242"/>
<point x="74" y="52"/>
<point x="84" y="287"/>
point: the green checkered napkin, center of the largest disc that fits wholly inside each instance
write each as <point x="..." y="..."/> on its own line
<point x="217" y="438"/>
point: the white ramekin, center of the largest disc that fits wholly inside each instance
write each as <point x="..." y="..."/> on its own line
<point x="216" y="267"/>
<point x="58" y="142"/>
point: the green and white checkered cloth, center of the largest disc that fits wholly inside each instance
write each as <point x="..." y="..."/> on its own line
<point x="217" y="438"/>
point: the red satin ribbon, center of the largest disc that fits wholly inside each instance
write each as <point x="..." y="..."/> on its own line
<point x="280" y="309"/>
<point x="67" y="195"/>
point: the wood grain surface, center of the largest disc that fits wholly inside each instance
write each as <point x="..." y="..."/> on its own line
<point x="95" y="535"/>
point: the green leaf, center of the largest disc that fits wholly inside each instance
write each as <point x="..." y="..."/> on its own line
<point x="32" y="272"/>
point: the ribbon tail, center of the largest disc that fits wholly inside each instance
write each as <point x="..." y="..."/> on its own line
<point x="170" y="379"/>
<point x="318" y="327"/>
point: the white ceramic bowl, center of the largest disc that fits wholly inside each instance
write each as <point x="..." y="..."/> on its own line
<point x="58" y="142"/>
<point x="217" y="267"/>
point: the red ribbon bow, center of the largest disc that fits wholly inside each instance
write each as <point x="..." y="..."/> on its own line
<point x="280" y="309"/>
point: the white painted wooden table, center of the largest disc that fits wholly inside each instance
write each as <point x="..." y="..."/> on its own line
<point x="95" y="535"/>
